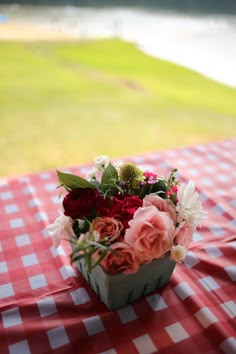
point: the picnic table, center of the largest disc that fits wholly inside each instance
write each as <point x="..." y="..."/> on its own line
<point x="47" y="307"/>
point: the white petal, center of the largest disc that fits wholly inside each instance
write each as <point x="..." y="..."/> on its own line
<point x="178" y="253"/>
<point x="51" y="227"/>
<point x="189" y="208"/>
<point x="58" y="228"/>
<point x="101" y="162"/>
<point x="56" y="236"/>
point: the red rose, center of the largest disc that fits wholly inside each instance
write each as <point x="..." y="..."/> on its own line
<point x="116" y="208"/>
<point x="130" y="204"/>
<point x="103" y="206"/>
<point x="80" y="203"/>
<point x="123" y="208"/>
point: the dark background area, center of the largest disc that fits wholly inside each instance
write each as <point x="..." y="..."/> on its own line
<point x="193" y="6"/>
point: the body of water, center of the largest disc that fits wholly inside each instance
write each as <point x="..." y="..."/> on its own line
<point x="204" y="43"/>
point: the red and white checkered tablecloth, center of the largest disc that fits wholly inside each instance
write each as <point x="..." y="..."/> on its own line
<point x="47" y="307"/>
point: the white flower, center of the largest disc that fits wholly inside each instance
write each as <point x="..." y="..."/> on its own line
<point x="101" y="162"/>
<point x="92" y="174"/>
<point x="117" y="165"/>
<point x="189" y="208"/>
<point x="87" y="236"/>
<point x="57" y="229"/>
<point x="178" y="253"/>
<point x="81" y="223"/>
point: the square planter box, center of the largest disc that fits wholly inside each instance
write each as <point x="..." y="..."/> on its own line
<point x="116" y="291"/>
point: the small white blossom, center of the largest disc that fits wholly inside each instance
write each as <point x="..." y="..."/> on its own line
<point x="57" y="229"/>
<point x="101" y="162"/>
<point x="92" y="174"/>
<point x="178" y="253"/>
<point x="96" y="236"/>
<point x="82" y="238"/>
<point x="81" y="223"/>
<point x="117" y="165"/>
<point x="189" y="208"/>
<point x="87" y="236"/>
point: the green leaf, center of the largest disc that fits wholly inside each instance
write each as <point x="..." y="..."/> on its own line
<point x="70" y="181"/>
<point x="98" y="245"/>
<point x="77" y="257"/>
<point x="145" y="190"/>
<point x="88" y="262"/>
<point x="110" y="175"/>
<point x="95" y="183"/>
<point x="159" y="188"/>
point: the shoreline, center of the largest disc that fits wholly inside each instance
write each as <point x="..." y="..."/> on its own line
<point x="203" y="44"/>
<point x="14" y="31"/>
<point x="20" y="31"/>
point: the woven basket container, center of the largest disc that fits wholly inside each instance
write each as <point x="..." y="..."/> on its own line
<point x="116" y="291"/>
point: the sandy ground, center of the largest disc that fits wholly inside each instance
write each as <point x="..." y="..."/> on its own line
<point x="17" y="31"/>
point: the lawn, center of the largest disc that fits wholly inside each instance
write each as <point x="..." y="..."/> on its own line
<point x="64" y="103"/>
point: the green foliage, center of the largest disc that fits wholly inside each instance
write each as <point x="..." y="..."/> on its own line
<point x="160" y="188"/>
<point x="70" y="181"/>
<point x="109" y="180"/>
<point x="61" y="104"/>
<point x="90" y="251"/>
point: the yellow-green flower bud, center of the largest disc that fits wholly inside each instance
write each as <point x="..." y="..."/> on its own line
<point x="128" y="172"/>
<point x="135" y="183"/>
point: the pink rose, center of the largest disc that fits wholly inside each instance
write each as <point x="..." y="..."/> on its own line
<point x="161" y="204"/>
<point x="125" y="261"/>
<point x="151" y="233"/>
<point x="107" y="227"/>
<point x="184" y="234"/>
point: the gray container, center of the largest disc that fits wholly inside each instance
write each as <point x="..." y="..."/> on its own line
<point x="118" y="290"/>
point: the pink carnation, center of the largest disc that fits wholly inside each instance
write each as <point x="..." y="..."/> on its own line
<point x="184" y="234"/>
<point x="151" y="233"/>
<point x="123" y="261"/>
<point x="150" y="177"/>
<point x="172" y="193"/>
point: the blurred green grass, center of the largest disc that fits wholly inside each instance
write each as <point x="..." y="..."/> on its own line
<point x="64" y="103"/>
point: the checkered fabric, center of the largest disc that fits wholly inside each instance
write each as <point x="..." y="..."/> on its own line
<point x="47" y="307"/>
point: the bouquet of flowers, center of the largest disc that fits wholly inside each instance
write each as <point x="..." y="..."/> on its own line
<point x="121" y="216"/>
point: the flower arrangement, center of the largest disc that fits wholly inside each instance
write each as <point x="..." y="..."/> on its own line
<point x="121" y="216"/>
